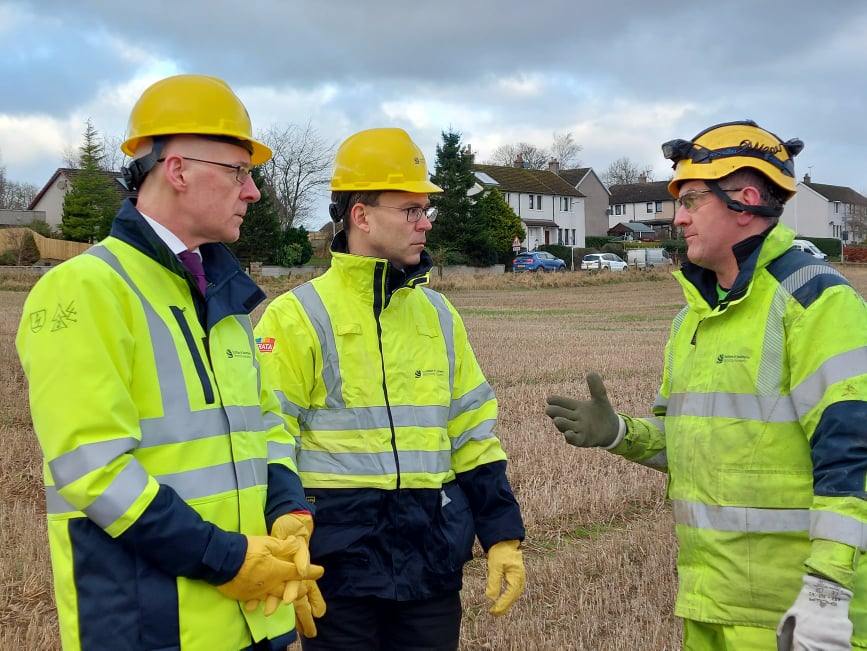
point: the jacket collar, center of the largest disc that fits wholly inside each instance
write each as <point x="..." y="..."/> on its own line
<point x="230" y="290"/>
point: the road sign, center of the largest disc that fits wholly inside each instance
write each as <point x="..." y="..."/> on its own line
<point x="516" y="244"/>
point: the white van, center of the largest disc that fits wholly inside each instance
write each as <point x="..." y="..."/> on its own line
<point x="648" y="258"/>
<point x="808" y="247"/>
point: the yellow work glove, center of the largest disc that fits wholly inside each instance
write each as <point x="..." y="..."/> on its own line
<point x="292" y="526"/>
<point x="308" y="605"/>
<point x="268" y="566"/>
<point x="505" y="564"/>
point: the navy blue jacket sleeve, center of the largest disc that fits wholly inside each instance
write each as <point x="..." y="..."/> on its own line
<point x="495" y="509"/>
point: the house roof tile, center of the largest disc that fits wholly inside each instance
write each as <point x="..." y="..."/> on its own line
<point x="639" y="192"/>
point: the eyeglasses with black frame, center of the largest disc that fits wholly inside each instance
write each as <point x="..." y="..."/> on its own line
<point x="415" y="213"/>
<point x="242" y="172"/>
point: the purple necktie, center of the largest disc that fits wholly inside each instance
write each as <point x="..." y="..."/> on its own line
<point x="193" y="263"/>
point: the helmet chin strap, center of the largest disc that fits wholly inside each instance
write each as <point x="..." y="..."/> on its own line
<point x="737" y="206"/>
<point x="134" y="174"/>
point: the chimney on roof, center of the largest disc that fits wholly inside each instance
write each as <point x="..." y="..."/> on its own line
<point x="806" y="178"/>
<point x="519" y="161"/>
<point x="642" y="178"/>
<point x="553" y="165"/>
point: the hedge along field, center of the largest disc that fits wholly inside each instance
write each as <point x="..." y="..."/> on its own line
<point x="600" y="548"/>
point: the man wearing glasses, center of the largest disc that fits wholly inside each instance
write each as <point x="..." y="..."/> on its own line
<point x="167" y="462"/>
<point x="761" y="419"/>
<point x="394" y="417"/>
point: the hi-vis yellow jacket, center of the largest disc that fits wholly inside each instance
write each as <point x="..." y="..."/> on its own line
<point x="162" y="445"/>
<point x="395" y="425"/>
<point x="761" y="422"/>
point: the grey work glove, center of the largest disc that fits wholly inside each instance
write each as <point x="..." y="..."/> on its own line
<point x="587" y="423"/>
<point x="819" y="618"/>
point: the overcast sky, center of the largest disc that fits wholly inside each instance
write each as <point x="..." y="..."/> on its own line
<point x="622" y="76"/>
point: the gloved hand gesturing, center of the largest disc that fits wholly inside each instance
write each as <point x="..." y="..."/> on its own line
<point x="505" y="563"/>
<point x="819" y="618"/>
<point x="588" y="423"/>
<point x="308" y="605"/>
<point x="268" y="565"/>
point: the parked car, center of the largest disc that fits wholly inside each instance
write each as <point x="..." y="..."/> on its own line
<point x="537" y="261"/>
<point x="648" y="258"/>
<point x="808" y="247"/>
<point x="603" y="261"/>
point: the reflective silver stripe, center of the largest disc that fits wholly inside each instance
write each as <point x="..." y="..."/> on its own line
<point x="180" y="427"/>
<point x="739" y="518"/>
<point x="189" y="485"/>
<point x="374" y="463"/>
<point x="840" y="528"/>
<point x="801" y="277"/>
<point x="321" y="321"/>
<point x="287" y="406"/>
<point x="447" y="325"/>
<point x="659" y="423"/>
<point x="474" y="399"/>
<point x="76" y="463"/>
<point x="660" y="404"/>
<point x="246" y="418"/>
<point x="675" y="328"/>
<point x="271" y="419"/>
<point x="370" y="418"/>
<point x="834" y="369"/>
<point x="658" y="461"/>
<point x="480" y="432"/>
<point x="120" y="495"/>
<point x="280" y="451"/>
<point x="773" y="409"/>
<point x="213" y="480"/>
<point x="769" y="377"/>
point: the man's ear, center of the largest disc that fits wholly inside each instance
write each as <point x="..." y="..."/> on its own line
<point x="750" y="197"/>
<point x="173" y="172"/>
<point x="358" y="215"/>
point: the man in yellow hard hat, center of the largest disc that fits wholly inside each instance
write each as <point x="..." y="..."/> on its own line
<point x="761" y="419"/>
<point x="167" y="462"/>
<point x="394" y="416"/>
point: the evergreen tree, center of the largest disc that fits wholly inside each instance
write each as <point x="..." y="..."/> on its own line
<point x="458" y="228"/>
<point x="261" y="238"/>
<point x="91" y="203"/>
<point x="502" y="222"/>
<point x="296" y="248"/>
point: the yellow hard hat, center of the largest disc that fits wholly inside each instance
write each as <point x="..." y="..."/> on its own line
<point x="192" y="104"/>
<point x="724" y="148"/>
<point x="381" y="159"/>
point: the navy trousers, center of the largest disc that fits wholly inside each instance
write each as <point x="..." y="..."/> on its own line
<point x="374" y="624"/>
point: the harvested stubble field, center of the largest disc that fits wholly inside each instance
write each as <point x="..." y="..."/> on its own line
<point x="600" y="549"/>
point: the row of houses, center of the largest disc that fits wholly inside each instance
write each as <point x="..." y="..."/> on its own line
<point x="565" y="206"/>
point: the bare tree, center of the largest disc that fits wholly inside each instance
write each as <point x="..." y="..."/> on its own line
<point x="298" y="171"/>
<point x="565" y="150"/>
<point x="532" y="156"/>
<point x="112" y="157"/>
<point x="15" y="195"/>
<point x="623" y="170"/>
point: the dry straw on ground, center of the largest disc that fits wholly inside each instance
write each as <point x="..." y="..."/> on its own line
<point x="600" y="548"/>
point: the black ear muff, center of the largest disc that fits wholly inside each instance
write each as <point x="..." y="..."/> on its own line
<point x="334" y="211"/>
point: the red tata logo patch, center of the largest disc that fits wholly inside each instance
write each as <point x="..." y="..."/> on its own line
<point x="265" y="344"/>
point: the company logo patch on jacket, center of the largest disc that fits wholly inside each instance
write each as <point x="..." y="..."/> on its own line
<point x="728" y="359"/>
<point x="432" y="372"/>
<point x="265" y="344"/>
<point x="242" y="354"/>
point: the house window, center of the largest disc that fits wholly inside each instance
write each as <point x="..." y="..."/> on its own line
<point x="564" y="204"/>
<point x="538" y="202"/>
<point x="649" y="207"/>
<point x="560" y="237"/>
<point x="618" y="209"/>
<point x="573" y="237"/>
<point x="836" y="206"/>
<point x="531" y="201"/>
<point x="658" y="206"/>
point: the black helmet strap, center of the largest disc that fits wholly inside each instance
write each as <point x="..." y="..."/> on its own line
<point x="737" y="206"/>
